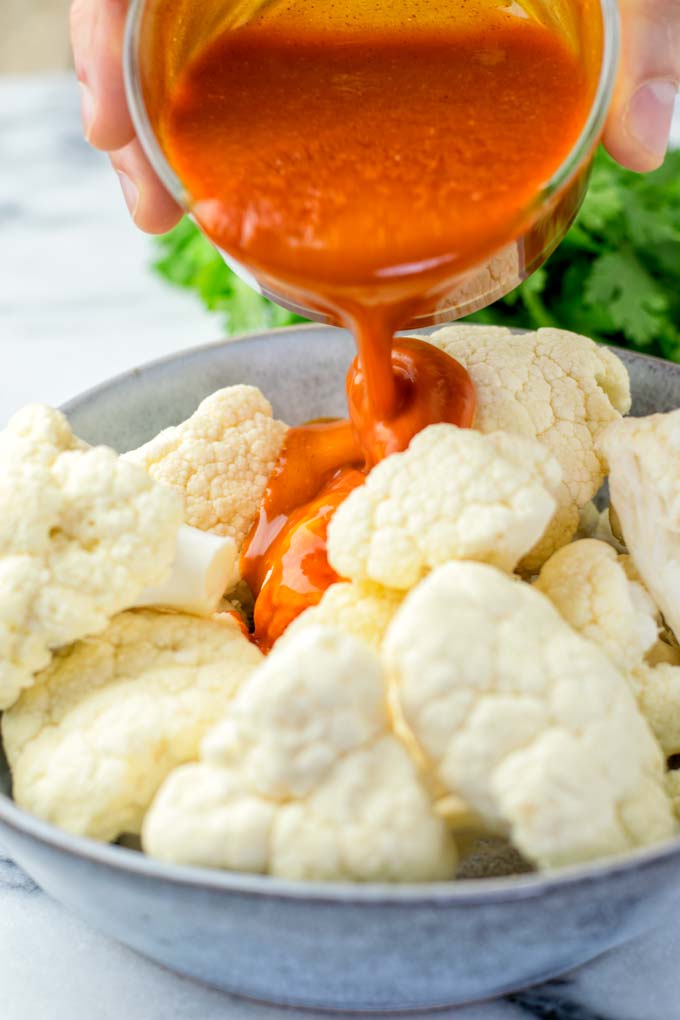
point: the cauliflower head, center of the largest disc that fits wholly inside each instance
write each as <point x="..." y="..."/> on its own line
<point x="643" y="455"/>
<point x="219" y="460"/>
<point x="82" y="534"/>
<point x="90" y="743"/>
<point x="554" y="386"/>
<point x="593" y="589"/>
<point x="475" y="288"/>
<point x="600" y="594"/>
<point x="454" y="494"/>
<point x="658" y="690"/>
<point x="363" y="610"/>
<point x="304" y="778"/>
<point x="528" y="722"/>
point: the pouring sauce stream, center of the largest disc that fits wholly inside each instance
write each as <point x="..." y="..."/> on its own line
<point x="360" y="171"/>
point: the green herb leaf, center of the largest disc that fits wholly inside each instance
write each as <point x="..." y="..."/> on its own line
<point x="635" y="302"/>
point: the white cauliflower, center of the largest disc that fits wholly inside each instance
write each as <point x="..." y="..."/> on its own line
<point x="454" y="494"/>
<point x="589" y="585"/>
<point x="362" y="610"/>
<point x="644" y="466"/>
<point x="204" y="567"/>
<point x="554" y="386"/>
<point x="658" y="691"/>
<point x="529" y="723"/>
<point x="82" y="534"/>
<point x="481" y="285"/>
<point x="600" y="594"/>
<point x="304" y="778"/>
<point x="219" y="460"/>
<point x="92" y="740"/>
<point x="643" y="455"/>
<point x="356" y="828"/>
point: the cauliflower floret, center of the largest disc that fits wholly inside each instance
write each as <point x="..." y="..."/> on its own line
<point x="205" y="816"/>
<point x="219" y="459"/>
<point x="383" y="830"/>
<point x="454" y="494"/>
<point x="531" y="724"/>
<point x="658" y="690"/>
<point x="644" y="481"/>
<point x="554" y="386"/>
<point x="304" y="778"/>
<point x="588" y="584"/>
<point x="481" y="285"/>
<point x="362" y="610"/>
<point x="311" y="701"/>
<point x="600" y="594"/>
<point x="92" y="740"/>
<point x="82" y="534"/>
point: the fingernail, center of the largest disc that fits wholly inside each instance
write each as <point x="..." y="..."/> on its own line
<point x="130" y="192"/>
<point x="650" y="113"/>
<point x="86" y="109"/>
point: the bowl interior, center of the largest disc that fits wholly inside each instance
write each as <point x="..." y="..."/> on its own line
<point x="301" y="371"/>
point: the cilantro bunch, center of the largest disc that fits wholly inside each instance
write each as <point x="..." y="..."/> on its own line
<point x="615" y="277"/>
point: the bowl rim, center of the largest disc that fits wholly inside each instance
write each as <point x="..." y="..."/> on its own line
<point x="283" y="332"/>
<point x="461" y="892"/>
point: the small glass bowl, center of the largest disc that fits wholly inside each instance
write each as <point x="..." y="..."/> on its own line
<point x="157" y="47"/>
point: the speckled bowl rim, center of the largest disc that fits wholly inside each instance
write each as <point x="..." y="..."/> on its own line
<point x="463" y="892"/>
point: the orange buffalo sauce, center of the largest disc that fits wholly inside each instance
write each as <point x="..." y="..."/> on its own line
<point x="284" y="559"/>
<point x="359" y="170"/>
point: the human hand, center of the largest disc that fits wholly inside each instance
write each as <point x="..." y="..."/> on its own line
<point x="636" y="134"/>
<point x="97" y="28"/>
<point x="639" y="122"/>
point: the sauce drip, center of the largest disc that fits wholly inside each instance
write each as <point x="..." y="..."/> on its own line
<point x="358" y="170"/>
<point x="284" y="559"/>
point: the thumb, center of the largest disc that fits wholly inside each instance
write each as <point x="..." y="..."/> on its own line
<point x="639" y="123"/>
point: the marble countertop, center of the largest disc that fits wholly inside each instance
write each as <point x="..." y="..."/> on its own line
<point x="77" y="305"/>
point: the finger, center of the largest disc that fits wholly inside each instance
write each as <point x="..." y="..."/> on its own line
<point x="152" y="208"/>
<point x="97" y="31"/>
<point x="639" y="123"/>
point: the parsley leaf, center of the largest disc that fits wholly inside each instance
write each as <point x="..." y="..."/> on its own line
<point x="635" y="302"/>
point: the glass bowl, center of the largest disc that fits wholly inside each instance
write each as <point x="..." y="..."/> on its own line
<point x="163" y="35"/>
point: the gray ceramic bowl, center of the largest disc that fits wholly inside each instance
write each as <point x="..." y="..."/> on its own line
<point x="331" y="946"/>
